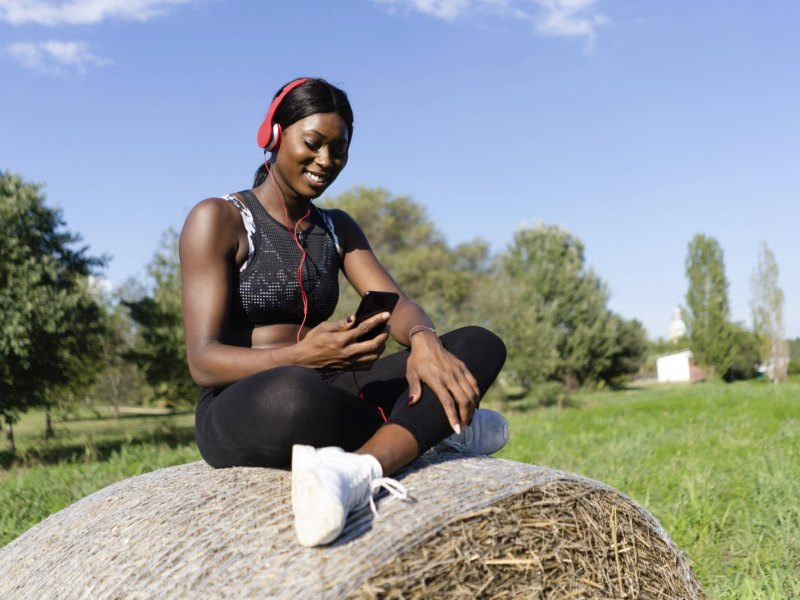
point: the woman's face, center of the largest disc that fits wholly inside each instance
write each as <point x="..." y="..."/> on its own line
<point x="312" y="153"/>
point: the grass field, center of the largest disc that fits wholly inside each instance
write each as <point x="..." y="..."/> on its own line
<point x="718" y="465"/>
<point x="86" y="455"/>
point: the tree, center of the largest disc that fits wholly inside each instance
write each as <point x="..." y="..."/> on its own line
<point x="630" y="350"/>
<point x="159" y="348"/>
<point x="710" y="333"/>
<point x="48" y="317"/>
<point x="744" y="354"/>
<point x="794" y="356"/>
<point x="553" y="314"/>
<point x="120" y="381"/>
<point x="441" y="279"/>
<point x="767" y="309"/>
<point x="75" y="363"/>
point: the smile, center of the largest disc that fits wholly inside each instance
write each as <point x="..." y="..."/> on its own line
<point x="315" y="178"/>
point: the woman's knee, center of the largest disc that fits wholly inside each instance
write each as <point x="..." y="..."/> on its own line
<point x="256" y="420"/>
<point x="476" y="338"/>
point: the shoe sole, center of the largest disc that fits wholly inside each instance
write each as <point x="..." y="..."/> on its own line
<point x="319" y="516"/>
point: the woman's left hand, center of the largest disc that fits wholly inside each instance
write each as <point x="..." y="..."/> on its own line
<point x="445" y="375"/>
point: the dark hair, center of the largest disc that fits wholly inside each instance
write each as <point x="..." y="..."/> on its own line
<point x="309" y="98"/>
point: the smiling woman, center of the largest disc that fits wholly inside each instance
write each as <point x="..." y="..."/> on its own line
<point x="284" y="386"/>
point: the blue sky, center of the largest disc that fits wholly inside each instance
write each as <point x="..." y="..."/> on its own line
<point x="632" y="123"/>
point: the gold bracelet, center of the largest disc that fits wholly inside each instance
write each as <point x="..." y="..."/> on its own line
<point x="418" y="328"/>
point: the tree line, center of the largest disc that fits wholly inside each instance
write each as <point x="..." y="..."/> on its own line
<point x="64" y="340"/>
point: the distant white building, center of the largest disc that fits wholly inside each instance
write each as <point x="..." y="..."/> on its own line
<point x="677" y="326"/>
<point x="678" y="367"/>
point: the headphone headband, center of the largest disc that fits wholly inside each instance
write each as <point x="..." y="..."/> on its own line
<point x="269" y="134"/>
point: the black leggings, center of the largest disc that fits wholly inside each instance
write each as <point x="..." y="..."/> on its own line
<point x="255" y="421"/>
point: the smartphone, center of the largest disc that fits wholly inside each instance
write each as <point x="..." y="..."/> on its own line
<point x="374" y="303"/>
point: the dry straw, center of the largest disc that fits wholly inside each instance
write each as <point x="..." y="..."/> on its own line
<point x="477" y="527"/>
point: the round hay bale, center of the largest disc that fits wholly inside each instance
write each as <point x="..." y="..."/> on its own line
<point x="475" y="527"/>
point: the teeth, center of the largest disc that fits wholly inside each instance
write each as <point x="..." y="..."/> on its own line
<point x="314" y="177"/>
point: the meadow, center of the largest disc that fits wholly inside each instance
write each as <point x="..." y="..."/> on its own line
<point x="718" y="465"/>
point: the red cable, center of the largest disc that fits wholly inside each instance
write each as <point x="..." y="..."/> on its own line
<point x="361" y="395"/>
<point x="293" y="233"/>
<point x="303" y="295"/>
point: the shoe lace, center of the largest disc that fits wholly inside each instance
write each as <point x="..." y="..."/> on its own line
<point x="394" y="487"/>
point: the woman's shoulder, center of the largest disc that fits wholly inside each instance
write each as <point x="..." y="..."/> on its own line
<point x="341" y="219"/>
<point x="348" y="231"/>
<point x="216" y="207"/>
<point x="215" y="216"/>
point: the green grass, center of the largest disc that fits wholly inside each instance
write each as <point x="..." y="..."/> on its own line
<point x="718" y="465"/>
<point x="85" y="456"/>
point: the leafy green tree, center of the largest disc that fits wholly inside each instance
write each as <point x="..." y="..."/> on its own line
<point x="524" y="322"/>
<point x="630" y="350"/>
<point x="710" y="331"/>
<point x="767" y="308"/>
<point x="120" y="381"/>
<point x="159" y="348"/>
<point x="744" y="354"/>
<point x="49" y="320"/>
<point x="439" y="278"/>
<point x="552" y="312"/>
<point x="794" y="356"/>
<point x="69" y="377"/>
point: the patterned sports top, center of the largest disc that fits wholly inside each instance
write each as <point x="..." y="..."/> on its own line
<point x="265" y="290"/>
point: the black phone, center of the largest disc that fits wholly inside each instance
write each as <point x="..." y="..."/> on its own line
<point x="374" y="303"/>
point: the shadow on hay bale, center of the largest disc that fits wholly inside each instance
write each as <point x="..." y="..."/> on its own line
<point x="478" y="527"/>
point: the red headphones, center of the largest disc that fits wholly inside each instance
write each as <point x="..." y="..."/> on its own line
<point x="269" y="134"/>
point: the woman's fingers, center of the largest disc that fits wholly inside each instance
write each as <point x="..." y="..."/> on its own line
<point x="465" y="404"/>
<point x="470" y="392"/>
<point x="361" y="355"/>
<point x="449" y="379"/>
<point x="414" y="389"/>
<point x="457" y="404"/>
<point x="371" y="327"/>
<point x="451" y="409"/>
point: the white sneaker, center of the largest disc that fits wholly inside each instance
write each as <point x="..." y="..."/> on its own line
<point x="328" y="484"/>
<point x="487" y="434"/>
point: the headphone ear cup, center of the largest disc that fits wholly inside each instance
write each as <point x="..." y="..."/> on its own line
<point x="269" y="134"/>
<point x="275" y="139"/>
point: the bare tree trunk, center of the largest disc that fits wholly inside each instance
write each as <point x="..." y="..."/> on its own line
<point x="10" y="434"/>
<point x="48" y="423"/>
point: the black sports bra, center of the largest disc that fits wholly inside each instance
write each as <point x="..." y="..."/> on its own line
<point x="265" y="290"/>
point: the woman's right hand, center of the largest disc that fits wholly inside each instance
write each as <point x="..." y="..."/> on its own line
<point x="335" y="345"/>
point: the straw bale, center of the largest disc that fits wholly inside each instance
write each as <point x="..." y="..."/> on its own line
<point x="475" y="527"/>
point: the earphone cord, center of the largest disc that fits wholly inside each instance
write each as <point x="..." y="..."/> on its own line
<point x="293" y="232"/>
<point x="361" y="395"/>
<point x="303" y="295"/>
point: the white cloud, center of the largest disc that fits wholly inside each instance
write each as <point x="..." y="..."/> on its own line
<point x="559" y="18"/>
<point x="569" y="18"/>
<point x="82" y="12"/>
<point x="54" y="57"/>
<point x="442" y="9"/>
<point x="57" y="57"/>
<point x="452" y="9"/>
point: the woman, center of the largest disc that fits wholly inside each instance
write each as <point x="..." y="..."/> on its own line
<point x="283" y="385"/>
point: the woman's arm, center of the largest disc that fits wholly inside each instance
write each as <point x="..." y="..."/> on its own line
<point x="429" y="362"/>
<point x="209" y="243"/>
<point x="212" y="242"/>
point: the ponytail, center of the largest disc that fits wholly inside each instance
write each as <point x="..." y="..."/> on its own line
<point x="261" y="175"/>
